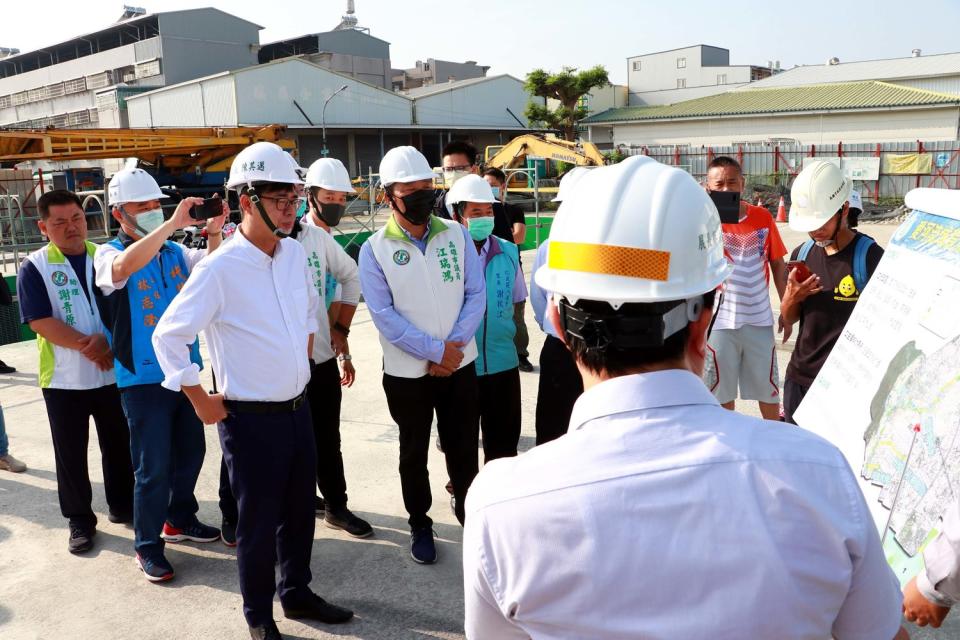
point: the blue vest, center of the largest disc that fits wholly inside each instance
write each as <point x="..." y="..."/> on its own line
<point x="497" y="351"/>
<point x="147" y="295"/>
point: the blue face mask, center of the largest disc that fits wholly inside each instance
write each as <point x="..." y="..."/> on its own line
<point x="480" y="228"/>
<point x="496" y="192"/>
<point x="302" y="209"/>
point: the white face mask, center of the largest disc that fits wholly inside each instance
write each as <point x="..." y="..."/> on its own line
<point x="150" y="220"/>
<point x="452" y="176"/>
<point x="823" y="244"/>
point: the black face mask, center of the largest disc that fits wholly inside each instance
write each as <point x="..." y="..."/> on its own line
<point x="418" y="206"/>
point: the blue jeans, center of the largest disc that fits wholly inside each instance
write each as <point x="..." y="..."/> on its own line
<point x="167" y="448"/>
<point x="4" y="443"/>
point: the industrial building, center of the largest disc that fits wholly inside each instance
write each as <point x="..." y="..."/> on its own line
<point x="361" y="121"/>
<point x="348" y="51"/>
<point x="433" y="71"/>
<point x="83" y="82"/>
<point x="691" y="72"/>
<point x="848" y="112"/>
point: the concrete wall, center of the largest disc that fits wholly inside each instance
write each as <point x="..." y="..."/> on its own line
<point x="875" y="126"/>
<point x="656" y="80"/>
<point x="478" y="104"/>
<point x="203" y="42"/>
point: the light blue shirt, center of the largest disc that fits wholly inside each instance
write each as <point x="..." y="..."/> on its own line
<point x="401" y="332"/>
<point x="538" y="297"/>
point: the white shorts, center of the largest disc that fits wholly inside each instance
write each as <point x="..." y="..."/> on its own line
<point x="744" y="357"/>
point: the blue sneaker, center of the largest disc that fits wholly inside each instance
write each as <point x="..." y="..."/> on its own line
<point x="422" y="548"/>
<point x="195" y="532"/>
<point x="155" y="569"/>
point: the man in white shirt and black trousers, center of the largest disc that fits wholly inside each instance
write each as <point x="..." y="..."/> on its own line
<point x="257" y="304"/>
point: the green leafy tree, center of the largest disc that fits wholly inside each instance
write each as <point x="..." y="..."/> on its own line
<point x="567" y="86"/>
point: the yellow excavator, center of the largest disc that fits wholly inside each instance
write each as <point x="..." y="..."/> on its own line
<point x="514" y="154"/>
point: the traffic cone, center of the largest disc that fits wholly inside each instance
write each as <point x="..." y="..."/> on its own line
<point x="781" y="211"/>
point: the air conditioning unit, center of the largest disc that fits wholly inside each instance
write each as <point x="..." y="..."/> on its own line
<point x="129" y="77"/>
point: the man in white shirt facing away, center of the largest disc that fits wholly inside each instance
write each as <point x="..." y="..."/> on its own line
<point x="660" y="514"/>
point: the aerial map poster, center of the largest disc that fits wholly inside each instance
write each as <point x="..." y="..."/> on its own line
<point x="888" y="395"/>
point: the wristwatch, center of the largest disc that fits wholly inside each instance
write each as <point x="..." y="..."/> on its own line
<point x="344" y="357"/>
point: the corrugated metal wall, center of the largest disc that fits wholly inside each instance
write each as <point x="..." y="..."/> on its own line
<point x="219" y="104"/>
<point x="480" y="104"/>
<point x="777" y="165"/>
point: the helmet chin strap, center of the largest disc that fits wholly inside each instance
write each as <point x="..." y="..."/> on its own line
<point x="132" y="221"/>
<point x="255" y="199"/>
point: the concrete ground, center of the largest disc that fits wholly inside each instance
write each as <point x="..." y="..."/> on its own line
<point x="45" y="592"/>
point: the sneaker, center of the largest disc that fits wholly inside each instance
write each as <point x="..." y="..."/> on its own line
<point x="195" y="532"/>
<point x="11" y="464"/>
<point x="120" y="517"/>
<point x="344" y="520"/>
<point x="155" y="569"/>
<point x="422" y="548"/>
<point x="5" y="368"/>
<point x="267" y="631"/>
<point x="316" y="608"/>
<point x="525" y="365"/>
<point x="81" y="538"/>
<point x="319" y="506"/>
<point x="228" y="533"/>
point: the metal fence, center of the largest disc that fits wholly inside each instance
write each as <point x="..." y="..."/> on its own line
<point x="772" y="167"/>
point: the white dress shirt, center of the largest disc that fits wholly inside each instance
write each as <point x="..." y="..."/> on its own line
<point x="662" y="515"/>
<point x="258" y="312"/>
<point x="324" y="254"/>
<point x="939" y="581"/>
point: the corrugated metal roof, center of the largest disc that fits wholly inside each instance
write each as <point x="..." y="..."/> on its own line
<point x="893" y="69"/>
<point x="822" y="97"/>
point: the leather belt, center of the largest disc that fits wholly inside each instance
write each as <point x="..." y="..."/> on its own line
<point x="251" y="406"/>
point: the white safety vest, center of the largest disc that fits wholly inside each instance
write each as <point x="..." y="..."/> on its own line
<point x="427" y="288"/>
<point x="62" y="368"/>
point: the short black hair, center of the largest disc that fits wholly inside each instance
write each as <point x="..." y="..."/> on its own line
<point x="617" y="361"/>
<point x="56" y="197"/>
<point x="459" y="146"/>
<point x="725" y="161"/>
<point x="500" y="176"/>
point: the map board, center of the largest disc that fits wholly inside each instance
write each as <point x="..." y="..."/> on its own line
<point x="889" y="394"/>
<point x="853" y="167"/>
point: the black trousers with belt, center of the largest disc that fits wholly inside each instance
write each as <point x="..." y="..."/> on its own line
<point x="500" y="414"/>
<point x="69" y="412"/>
<point x="272" y="465"/>
<point x="560" y="386"/>
<point x="412" y="402"/>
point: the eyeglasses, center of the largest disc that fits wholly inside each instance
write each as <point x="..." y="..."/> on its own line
<point x="283" y="204"/>
<point x="462" y="167"/>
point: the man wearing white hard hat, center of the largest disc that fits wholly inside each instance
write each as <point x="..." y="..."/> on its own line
<point x="560" y="383"/>
<point x="838" y="263"/>
<point x="138" y="275"/>
<point x="660" y="514"/>
<point x="334" y="274"/>
<point x="423" y="284"/>
<point x="258" y="305"/>
<point x="470" y="202"/>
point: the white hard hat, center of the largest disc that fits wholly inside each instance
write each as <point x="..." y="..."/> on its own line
<point x="330" y="174"/>
<point x="471" y="188"/>
<point x="637" y="231"/>
<point x="816" y="195"/>
<point x="404" y="164"/>
<point x="263" y="162"/>
<point x="569" y="179"/>
<point x="855" y="201"/>
<point x="133" y="185"/>
<point x="297" y="169"/>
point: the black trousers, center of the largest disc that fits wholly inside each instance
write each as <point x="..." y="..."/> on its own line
<point x="560" y="386"/>
<point x="412" y="402"/>
<point x="271" y="460"/>
<point x="326" y="394"/>
<point x="500" y="415"/>
<point x="521" y="339"/>
<point x="69" y="413"/>
<point x="793" y="395"/>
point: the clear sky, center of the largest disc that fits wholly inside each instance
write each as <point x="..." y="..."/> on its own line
<point x="515" y="36"/>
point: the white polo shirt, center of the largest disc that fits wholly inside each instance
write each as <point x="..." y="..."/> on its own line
<point x="662" y="515"/>
<point x="257" y="312"/>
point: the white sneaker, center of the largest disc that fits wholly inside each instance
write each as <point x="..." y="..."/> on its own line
<point x="9" y="463"/>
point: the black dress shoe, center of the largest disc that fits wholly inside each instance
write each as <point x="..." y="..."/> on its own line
<point x="525" y="365"/>
<point x="81" y="538"/>
<point x="316" y="608"/>
<point x="266" y="632"/>
<point x="124" y="517"/>
<point x="5" y="368"/>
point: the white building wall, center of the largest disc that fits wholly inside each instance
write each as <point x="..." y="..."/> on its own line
<point x="177" y="107"/>
<point x="219" y="102"/>
<point x="88" y="65"/>
<point x="878" y="126"/>
<point x="138" y="112"/>
<point x="943" y="84"/>
<point x="481" y="103"/>
<point x="265" y="95"/>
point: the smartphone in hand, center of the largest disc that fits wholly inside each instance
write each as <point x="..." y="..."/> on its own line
<point x="803" y="271"/>
<point x="211" y="208"/>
